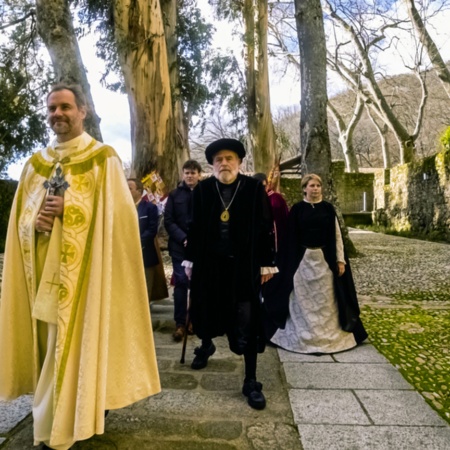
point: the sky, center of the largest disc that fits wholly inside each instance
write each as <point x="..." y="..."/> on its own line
<point x="113" y="108"/>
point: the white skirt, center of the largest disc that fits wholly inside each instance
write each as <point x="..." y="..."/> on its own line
<point x="313" y="322"/>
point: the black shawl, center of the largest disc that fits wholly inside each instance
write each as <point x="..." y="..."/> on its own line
<point x="311" y="226"/>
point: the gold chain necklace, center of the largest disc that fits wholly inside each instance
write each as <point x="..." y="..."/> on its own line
<point x="225" y="216"/>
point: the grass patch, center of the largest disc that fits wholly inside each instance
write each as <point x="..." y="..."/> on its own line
<point x="417" y="342"/>
<point x="441" y="296"/>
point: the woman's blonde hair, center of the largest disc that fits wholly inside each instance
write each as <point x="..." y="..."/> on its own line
<point x="307" y="178"/>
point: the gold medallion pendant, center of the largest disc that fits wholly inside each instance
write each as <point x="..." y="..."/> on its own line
<point x="225" y="216"/>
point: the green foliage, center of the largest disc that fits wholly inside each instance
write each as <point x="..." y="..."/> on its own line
<point x="194" y="41"/>
<point x="22" y="124"/>
<point x="97" y="16"/>
<point x="207" y="79"/>
<point x="228" y="9"/>
<point x="22" y="85"/>
<point x="445" y="139"/>
<point x="226" y="84"/>
<point x="7" y="190"/>
<point x="438" y="294"/>
<point x="417" y="342"/>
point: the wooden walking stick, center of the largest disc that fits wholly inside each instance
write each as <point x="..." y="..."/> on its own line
<point x="188" y="321"/>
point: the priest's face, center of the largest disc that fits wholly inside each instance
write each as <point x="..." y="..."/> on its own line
<point x="226" y="166"/>
<point x="64" y="116"/>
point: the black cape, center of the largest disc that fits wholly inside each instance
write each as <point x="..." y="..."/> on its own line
<point x="279" y="288"/>
<point x="225" y="292"/>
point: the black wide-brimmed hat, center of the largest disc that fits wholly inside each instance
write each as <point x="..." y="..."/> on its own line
<point x="224" y="144"/>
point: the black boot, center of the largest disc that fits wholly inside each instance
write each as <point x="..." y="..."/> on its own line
<point x="201" y="356"/>
<point x="252" y="389"/>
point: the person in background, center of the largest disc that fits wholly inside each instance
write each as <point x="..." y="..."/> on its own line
<point x="177" y="215"/>
<point x="75" y="324"/>
<point x="311" y="305"/>
<point x="229" y="254"/>
<point x="280" y="209"/>
<point x="148" y="227"/>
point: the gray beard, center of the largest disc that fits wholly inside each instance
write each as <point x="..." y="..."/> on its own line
<point x="226" y="177"/>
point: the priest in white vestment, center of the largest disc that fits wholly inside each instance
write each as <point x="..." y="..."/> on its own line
<point x="75" y="324"/>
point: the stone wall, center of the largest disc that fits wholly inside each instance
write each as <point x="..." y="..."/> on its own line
<point x="354" y="190"/>
<point x="415" y="196"/>
<point x="351" y="189"/>
<point x="290" y="188"/>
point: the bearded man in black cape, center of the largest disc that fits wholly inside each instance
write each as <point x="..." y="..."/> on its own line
<point x="230" y="253"/>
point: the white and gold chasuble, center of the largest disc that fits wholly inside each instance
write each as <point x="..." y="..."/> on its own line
<point x="92" y="287"/>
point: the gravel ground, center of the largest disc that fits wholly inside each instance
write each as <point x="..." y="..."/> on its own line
<point x="394" y="266"/>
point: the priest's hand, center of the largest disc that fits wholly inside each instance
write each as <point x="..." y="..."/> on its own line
<point x="44" y="221"/>
<point x="54" y="204"/>
<point x="341" y="268"/>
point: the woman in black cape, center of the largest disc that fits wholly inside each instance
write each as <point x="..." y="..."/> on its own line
<point x="311" y="305"/>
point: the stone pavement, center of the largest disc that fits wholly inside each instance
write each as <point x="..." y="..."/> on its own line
<point x="354" y="400"/>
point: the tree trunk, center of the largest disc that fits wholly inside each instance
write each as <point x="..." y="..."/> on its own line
<point x="170" y="13"/>
<point x="55" y="27"/>
<point x="385" y="112"/>
<point x="250" y="75"/>
<point x="139" y="33"/>
<point x="346" y="133"/>
<point x="314" y="139"/>
<point x="260" y="125"/>
<point x="382" y="132"/>
<point x="433" y="53"/>
<point x="264" y="156"/>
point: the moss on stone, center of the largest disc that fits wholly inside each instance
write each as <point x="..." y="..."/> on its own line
<point x="417" y="342"/>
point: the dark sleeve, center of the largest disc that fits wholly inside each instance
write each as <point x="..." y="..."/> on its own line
<point x="277" y="290"/>
<point x="174" y="231"/>
<point x="280" y="212"/>
<point x="194" y="224"/>
<point x="151" y="224"/>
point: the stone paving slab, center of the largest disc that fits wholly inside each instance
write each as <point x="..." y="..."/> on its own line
<point x="286" y="356"/>
<point x="399" y="408"/>
<point x="213" y="405"/>
<point x="312" y="406"/>
<point x="365" y="353"/>
<point x="344" y="376"/>
<point x="259" y="436"/>
<point x="357" y="437"/>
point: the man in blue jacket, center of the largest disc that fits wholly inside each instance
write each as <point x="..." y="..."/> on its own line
<point x="148" y="227"/>
<point x="176" y="220"/>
